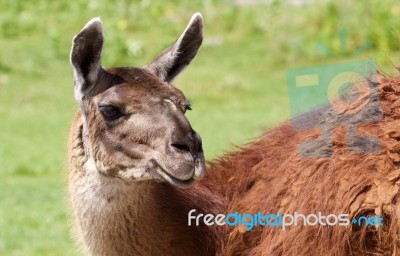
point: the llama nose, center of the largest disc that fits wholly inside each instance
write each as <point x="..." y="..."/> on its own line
<point x="190" y="143"/>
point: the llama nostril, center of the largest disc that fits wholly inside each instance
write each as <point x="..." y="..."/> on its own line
<point x="200" y="149"/>
<point x="181" y="147"/>
<point x="188" y="144"/>
<point x="198" y="144"/>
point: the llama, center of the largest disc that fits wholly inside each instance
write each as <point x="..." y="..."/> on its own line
<point x="129" y="135"/>
<point x="136" y="168"/>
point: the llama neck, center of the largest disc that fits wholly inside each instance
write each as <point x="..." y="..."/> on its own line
<point x="114" y="218"/>
<point x="144" y="218"/>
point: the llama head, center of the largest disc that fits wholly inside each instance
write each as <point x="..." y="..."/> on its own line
<point x="134" y="124"/>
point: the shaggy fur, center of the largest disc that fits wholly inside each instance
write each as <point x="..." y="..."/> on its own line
<point x="269" y="176"/>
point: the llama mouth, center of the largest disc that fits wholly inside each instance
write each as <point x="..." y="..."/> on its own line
<point x="173" y="180"/>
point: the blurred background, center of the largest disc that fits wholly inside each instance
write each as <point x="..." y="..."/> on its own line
<point x="237" y="84"/>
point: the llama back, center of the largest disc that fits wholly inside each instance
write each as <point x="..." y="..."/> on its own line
<point x="269" y="176"/>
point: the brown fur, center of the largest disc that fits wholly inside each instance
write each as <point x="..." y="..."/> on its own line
<point x="269" y="176"/>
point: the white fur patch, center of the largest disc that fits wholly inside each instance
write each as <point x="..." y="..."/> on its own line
<point x="171" y="104"/>
<point x="96" y="21"/>
<point x="195" y="16"/>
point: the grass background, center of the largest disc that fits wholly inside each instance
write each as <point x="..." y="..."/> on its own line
<point x="237" y="84"/>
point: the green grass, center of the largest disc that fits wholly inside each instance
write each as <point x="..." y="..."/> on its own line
<point x="237" y="84"/>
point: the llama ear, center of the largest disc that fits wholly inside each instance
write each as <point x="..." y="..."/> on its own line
<point x="176" y="57"/>
<point x="85" y="57"/>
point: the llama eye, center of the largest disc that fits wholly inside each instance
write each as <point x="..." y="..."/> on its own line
<point x="110" y="113"/>
<point x="188" y="107"/>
